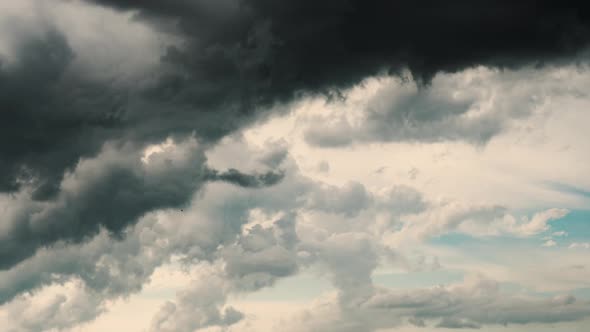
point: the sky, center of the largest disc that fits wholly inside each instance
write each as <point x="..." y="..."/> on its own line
<point x="298" y="166"/>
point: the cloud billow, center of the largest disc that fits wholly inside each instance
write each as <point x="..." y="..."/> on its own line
<point x="75" y="178"/>
<point x="263" y="50"/>
<point x="235" y="59"/>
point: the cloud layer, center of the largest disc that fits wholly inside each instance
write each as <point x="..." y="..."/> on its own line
<point x="128" y="145"/>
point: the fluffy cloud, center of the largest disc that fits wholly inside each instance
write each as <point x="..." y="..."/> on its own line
<point x="113" y="256"/>
<point x="117" y="179"/>
<point x="262" y="255"/>
<point x="253" y="236"/>
<point x="112" y="266"/>
<point x="199" y="306"/>
<point x="55" y="307"/>
<point x="93" y="202"/>
<point x="259" y="256"/>
<point x="221" y="225"/>
<point x="472" y="106"/>
<point x="249" y="238"/>
<point x="212" y="81"/>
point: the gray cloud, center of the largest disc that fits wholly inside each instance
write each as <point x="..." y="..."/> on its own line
<point x="477" y="220"/>
<point x="263" y="255"/>
<point x="111" y="191"/>
<point x="52" y="117"/>
<point x="348" y="200"/>
<point x="249" y="250"/>
<point x="109" y="269"/>
<point x="197" y="307"/>
<point x="60" y="120"/>
<point x="473" y="106"/>
<point x="58" y="111"/>
<point x="278" y="52"/>
<point x="215" y="228"/>
<point x="73" y="304"/>
<point x="216" y="80"/>
<point x="246" y="180"/>
<point x="479" y="301"/>
<point x="280" y="48"/>
<point x="71" y="145"/>
<point x="257" y="258"/>
<point x="453" y="323"/>
<point x="473" y="304"/>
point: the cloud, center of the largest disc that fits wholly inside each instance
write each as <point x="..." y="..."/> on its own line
<point x="258" y="257"/>
<point x="197" y="307"/>
<point x="119" y="179"/>
<point x="402" y="111"/>
<point x="582" y="245"/>
<point x="45" y="111"/>
<point x="111" y="191"/>
<point x="349" y="200"/>
<point x="474" y="303"/>
<point x="211" y="83"/>
<point x="283" y="48"/>
<point x="250" y="239"/>
<point x="66" y="107"/>
<point x="472" y="106"/>
<point x="215" y="80"/>
<point x="261" y="255"/>
<point x="453" y="323"/>
<point x="281" y="52"/>
<point x="477" y="220"/>
<point x="202" y="303"/>
<point x="539" y="222"/>
<point x="246" y="180"/>
<point x="117" y="259"/>
<point x="83" y="201"/>
<point x="56" y="307"/>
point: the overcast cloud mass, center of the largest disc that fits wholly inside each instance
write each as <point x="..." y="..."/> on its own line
<point x="295" y="165"/>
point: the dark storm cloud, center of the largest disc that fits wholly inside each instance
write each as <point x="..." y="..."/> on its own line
<point x="54" y="117"/>
<point x="109" y="192"/>
<point x="275" y="48"/>
<point x="49" y="119"/>
<point x="238" y="56"/>
<point x="112" y="192"/>
<point x="235" y="60"/>
<point x="246" y="180"/>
